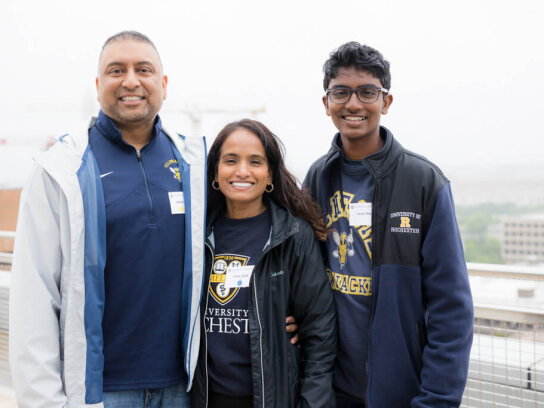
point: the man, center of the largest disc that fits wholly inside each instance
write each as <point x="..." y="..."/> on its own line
<point x="107" y="269"/>
<point x="396" y="261"/>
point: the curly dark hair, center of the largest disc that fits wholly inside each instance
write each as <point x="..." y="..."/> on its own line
<point x="363" y="57"/>
<point x="286" y="192"/>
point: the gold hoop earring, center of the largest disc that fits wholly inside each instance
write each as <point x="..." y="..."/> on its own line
<point x="267" y="188"/>
<point x="215" y="185"/>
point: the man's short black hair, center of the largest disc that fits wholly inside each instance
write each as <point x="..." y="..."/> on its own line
<point x="362" y="57"/>
<point x="130" y="35"/>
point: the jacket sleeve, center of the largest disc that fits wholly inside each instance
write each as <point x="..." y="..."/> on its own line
<point x="313" y="308"/>
<point x="35" y="301"/>
<point x="449" y="310"/>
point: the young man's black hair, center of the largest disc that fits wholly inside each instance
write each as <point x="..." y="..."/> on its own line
<point x="362" y="57"/>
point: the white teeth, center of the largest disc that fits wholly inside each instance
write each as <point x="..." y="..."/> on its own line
<point x="357" y="118"/>
<point x="239" y="184"/>
<point x="131" y="98"/>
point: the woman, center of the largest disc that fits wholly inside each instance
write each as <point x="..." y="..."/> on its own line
<point x="263" y="264"/>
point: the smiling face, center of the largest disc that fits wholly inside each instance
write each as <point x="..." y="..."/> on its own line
<point x="357" y="122"/>
<point x="130" y="83"/>
<point x="243" y="173"/>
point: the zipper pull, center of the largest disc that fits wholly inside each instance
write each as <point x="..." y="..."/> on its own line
<point x="138" y="155"/>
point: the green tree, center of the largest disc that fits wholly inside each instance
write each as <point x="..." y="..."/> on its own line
<point x="483" y="250"/>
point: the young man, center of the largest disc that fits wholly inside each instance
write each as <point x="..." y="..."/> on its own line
<point x="396" y="263"/>
<point x="108" y="262"/>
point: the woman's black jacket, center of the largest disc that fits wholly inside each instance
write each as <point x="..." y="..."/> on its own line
<point x="289" y="278"/>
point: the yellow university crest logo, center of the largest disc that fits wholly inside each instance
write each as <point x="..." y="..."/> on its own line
<point x="344" y="244"/>
<point x="172" y="165"/>
<point x="221" y="263"/>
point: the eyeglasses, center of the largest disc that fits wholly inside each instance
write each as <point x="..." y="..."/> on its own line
<point x="366" y="93"/>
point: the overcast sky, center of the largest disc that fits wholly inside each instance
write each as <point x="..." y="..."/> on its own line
<point x="467" y="75"/>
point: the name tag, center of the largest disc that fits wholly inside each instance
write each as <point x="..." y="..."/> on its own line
<point x="238" y="276"/>
<point x="177" y="203"/>
<point x="360" y="214"/>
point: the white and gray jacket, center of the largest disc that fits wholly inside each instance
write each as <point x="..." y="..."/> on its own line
<point x="57" y="287"/>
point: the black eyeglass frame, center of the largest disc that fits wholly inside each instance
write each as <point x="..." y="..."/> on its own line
<point x="356" y="92"/>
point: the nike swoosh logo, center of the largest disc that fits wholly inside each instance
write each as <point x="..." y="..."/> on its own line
<point x="105" y="174"/>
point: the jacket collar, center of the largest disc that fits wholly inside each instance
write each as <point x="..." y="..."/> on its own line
<point x="284" y="224"/>
<point x="379" y="163"/>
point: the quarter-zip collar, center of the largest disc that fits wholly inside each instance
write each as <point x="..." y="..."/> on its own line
<point x="107" y="127"/>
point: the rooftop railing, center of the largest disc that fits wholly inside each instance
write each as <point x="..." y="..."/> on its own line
<point x="507" y="357"/>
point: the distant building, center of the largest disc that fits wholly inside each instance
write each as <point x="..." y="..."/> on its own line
<point x="523" y="239"/>
<point x="9" y="206"/>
